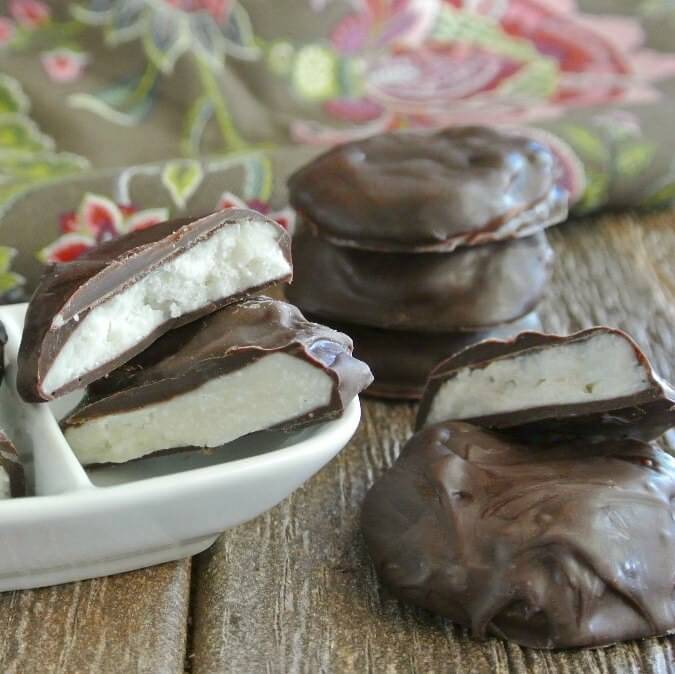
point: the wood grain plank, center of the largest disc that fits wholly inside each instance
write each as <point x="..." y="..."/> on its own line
<point x="132" y="622"/>
<point x="294" y="591"/>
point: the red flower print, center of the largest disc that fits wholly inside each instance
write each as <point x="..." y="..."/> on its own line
<point x="441" y="62"/>
<point x="284" y="216"/>
<point x="69" y="247"/>
<point x="353" y="110"/>
<point x="97" y="219"/>
<point x="68" y="222"/>
<point x="29" y="13"/>
<point x="7" y="30"/>
<point x="63" y="65"/>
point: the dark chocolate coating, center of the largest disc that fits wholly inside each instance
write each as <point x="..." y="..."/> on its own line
<point x="401" y="361"/>
<point x="550" y="547"/>
<point x="471" y="289"/>
<point x="421" y="192"/>
<point x="75" y="288"/>
<point x="643" y="416"/>
<point x="223" y="342"/>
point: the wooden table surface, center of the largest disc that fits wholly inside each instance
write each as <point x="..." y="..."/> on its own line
<point x="293" y="590"/>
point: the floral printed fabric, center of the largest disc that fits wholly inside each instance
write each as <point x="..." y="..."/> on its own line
<point x="435" y="63"/>
<point x="116" y="113"/>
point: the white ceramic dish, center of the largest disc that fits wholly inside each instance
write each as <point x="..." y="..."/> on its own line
<point x="85" y="523"/>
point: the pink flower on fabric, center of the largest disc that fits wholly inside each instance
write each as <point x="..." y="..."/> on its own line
<point x="380" y="24"/>
<point x="351" y="34"/>
<point x="29" y="13"/>
<point x="284" y="216"/>
<point x="97" y="219"/>
<point x="353" y="110"/>
<point x="435" y="63"/>
<point x="7" y="30"/>
<point x="64" y="65"/>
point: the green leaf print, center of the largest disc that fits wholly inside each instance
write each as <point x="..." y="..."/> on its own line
<point x="257" y="178"/>
<point x="40" y="167"/>
<point x="633" y="159"/>
<point x="596" y="192"/>
<point x="27" y="156"/>
<point x="8" y="279"/>
<point x="12" y="98"/>
<point x="586" y="143"/>
<point x="125" y="103"/>
<point x="182" y="177"/>
<point x="663" y="196"/>
<point x="18" y="134"/>
<point x="198" y="117"/>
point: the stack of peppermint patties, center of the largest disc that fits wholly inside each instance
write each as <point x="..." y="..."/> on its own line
<point x="165" y="329"/>
<point x="418" y="245"/>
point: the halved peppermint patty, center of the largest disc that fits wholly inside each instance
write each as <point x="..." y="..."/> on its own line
<point x="89" y="316"/>
<point x="251" y="366"/>
<point x="595" y="384"/>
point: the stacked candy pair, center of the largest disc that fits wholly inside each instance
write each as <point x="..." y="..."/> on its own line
<point x="418" y="245"/>
<point x="177" y="350"/>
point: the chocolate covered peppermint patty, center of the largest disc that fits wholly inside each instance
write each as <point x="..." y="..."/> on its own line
<point x="594" y="384"/>
<point x="550" y="547"/>
<point x="401" y="361"/>
<point x="471" y="289"/>
<point x="251" y="366"/>
<point x="416" y="192"/>
<point x="91" y="315"/>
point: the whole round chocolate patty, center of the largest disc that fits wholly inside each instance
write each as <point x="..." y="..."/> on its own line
<point x="470" y="289"/>
<point x="425" y="192"/>
<point x="551" y="547"/>
<point x="401" y="361"/>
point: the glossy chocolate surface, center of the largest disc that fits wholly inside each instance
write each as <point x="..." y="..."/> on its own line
<point x="550" y="547"/>
<point x="643" y="416"/>
<point x="70" y="290"/>
<point x="420" y="192"/>
<point x="222" y="342"/>
<point x="471" y="289"/>
<point x="401" y="361"/>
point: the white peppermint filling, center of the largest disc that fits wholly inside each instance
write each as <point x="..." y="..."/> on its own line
<point x="273" y="389"/>
<point x="601" y="367"/>
<point x="235" y="259"/>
